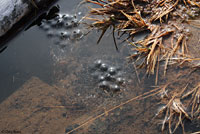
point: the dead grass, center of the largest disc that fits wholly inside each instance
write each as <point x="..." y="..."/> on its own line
<point x="166" y="42"/>
<point x="157" y="17"/>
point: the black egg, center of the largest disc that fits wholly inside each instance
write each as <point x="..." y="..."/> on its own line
<point x="67" y="17"/>
<point x="112" y="70"/>
<point x="104" y="85"/>
<point x="120" y="80"/>
<point x="101" y="78"/>
<point x="60" y="23"/>
<point x="68" y="25"/>
<point x="98" y="63"/>
<point x="115" y="88"/>
<point x="104" y="67"/>
<point x="75" y="22"/>
<point x="65" y="35"/>
<point x="108" y="77"/>
<point x="77" y="34"/>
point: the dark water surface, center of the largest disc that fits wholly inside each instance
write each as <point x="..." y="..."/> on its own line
<point x="28" y="55"/>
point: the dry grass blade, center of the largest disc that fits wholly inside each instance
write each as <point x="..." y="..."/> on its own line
<point x="163" y="13"/>
<point x="103" y="32"/>
<point x="195" y="23"/>
<point x="95" y="2"/>
<point x="195" y="100"/>
<point x="174" y="111"/>
<point x="137" y="20"/>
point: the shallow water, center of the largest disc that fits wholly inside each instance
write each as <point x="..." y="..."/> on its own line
<point x="55" y="85"/>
